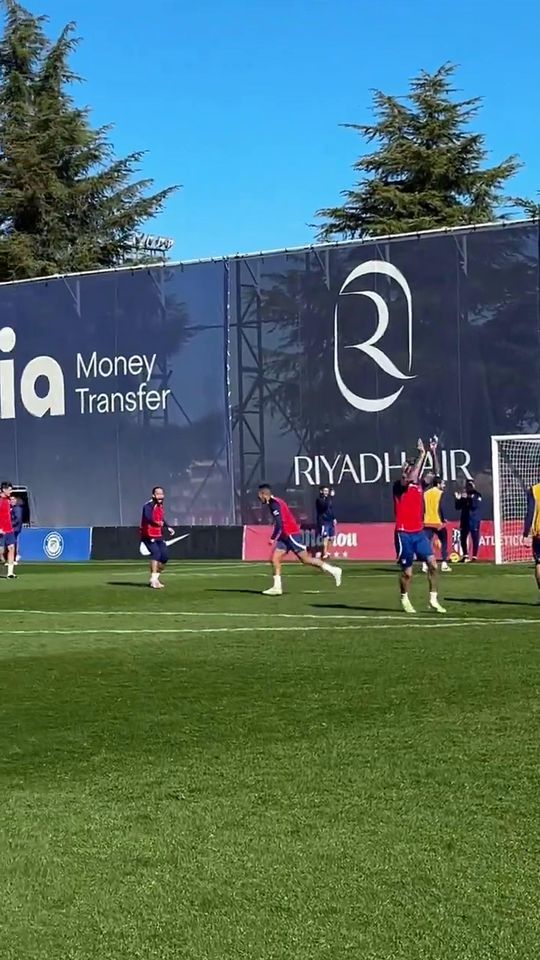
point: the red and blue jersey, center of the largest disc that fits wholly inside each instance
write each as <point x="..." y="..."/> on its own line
<point x="285" y="524"/>
<point x="409" y="507"/>
<point x="6" y="524"/>
<point x="152" y="521"/>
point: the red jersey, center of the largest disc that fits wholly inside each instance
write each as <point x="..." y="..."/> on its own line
<point x="409" y="507"/>
<point x="284" y="522"/>
<point x="153" y="521"/>
<point x="6" y="525"/>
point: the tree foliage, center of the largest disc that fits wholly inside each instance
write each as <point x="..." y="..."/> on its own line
<point x="66" y="203"/>
<point x="427" y="169"/>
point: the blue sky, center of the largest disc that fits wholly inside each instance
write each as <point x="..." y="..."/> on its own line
<point x="240" y="100"/>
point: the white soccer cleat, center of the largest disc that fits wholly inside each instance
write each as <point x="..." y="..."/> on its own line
<point x="446" y="568"/>
<point x="436" y="606"/>
<point x="424" y="568"/>
<point x="273" y="592"/>
<point x="156" y="585"/>
<point x="338" y="576"/>
<point x="407" y="605"/>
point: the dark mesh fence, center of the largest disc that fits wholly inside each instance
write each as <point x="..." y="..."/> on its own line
<point x="316" y="366"/>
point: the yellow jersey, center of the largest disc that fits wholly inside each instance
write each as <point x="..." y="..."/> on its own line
<point x="532" y="521"/>
<point x="433" y="515"/>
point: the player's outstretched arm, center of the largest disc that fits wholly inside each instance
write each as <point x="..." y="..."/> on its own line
<point x="434" y="449"/>
<point x="420" y="460"/>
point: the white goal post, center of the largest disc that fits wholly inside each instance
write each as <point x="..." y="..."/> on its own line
<point x="515" y="464"/>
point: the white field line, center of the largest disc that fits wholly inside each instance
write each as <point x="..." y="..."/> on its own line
<point x="400" y="617"/>
<point x="439" y="624"/>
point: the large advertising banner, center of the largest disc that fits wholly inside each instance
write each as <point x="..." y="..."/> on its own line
<point x="299" y="369"/>
<point x="111" y="384"/>
<point x="367" y="541"/>
<point x="364" y="347"/>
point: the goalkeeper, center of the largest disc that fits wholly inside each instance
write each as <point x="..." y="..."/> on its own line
<point x="531" y="529"/>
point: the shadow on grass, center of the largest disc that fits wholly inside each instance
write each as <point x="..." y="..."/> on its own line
<point x="350" y="606"/>
<point x="492" y="601"/>
<point x="233" y="590"/>
<point x="127" y="583"/>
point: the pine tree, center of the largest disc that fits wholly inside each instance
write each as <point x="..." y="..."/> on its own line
<point x="66" y="204"/>
<point x="427" y="170"/>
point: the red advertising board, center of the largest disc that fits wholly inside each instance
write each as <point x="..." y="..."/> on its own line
<point x="362" y="541"/>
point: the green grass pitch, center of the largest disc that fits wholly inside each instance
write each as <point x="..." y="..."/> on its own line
<point x="205" y="773"/>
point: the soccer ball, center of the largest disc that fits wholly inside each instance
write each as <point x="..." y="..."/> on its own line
<point x="454" y="558"/>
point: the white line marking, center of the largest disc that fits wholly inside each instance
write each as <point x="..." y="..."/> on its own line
<point x="298" y="629"/>
<point x="255" y="615"/>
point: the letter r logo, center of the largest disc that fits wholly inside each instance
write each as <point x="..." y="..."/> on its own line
<point x="369" y="347"/>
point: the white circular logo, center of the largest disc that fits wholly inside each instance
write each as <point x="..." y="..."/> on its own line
<point x="368" y="347"/>
<point x="53" y="545"/>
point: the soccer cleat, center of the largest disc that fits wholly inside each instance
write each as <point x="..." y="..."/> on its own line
<point x="407" y="605"/>
<point x="446" y="568"/>
<point x="273" y="592"/>
<point x="464" y="560"/>
<point x="338" y="576"/>
<point x="435" y="605"/>
<point x="156" y="585"/>
<point x="424" y="568"/>
<point x="11" y="576"/>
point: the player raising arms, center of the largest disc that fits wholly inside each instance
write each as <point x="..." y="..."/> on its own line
<point x="531" y="529"/>
<point x="411" y="537"/>
<point x="287" y="538"/>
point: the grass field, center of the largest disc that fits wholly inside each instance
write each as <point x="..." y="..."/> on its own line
<point x="206" y="773"/>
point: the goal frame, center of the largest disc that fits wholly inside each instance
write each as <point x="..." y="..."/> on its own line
<point x="496" y="479"/>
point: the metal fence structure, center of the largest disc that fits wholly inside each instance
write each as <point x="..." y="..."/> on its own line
<point x="304" y="367"/>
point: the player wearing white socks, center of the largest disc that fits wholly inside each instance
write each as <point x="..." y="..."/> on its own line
<point x="287" y="538"/>
<point x="411" y="537"/>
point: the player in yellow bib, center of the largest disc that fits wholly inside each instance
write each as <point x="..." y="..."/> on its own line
<point x="531" y="529"/>
<point x="435" y="520"/>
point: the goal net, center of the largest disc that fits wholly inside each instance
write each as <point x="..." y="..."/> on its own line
<point x="516" y="466"/>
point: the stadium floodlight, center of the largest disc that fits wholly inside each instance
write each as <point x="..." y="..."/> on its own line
<point x="516" y="466"/>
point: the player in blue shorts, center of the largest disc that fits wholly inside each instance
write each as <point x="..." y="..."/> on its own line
<point x="326" y="520"/>
<point x="287" y="538"/>
<point x="411" y="537"/>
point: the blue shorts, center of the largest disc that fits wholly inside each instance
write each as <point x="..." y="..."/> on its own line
<point x="8" y="540"/>
<point x="158" y="550"/>
<point x="293" y="544"/>
<point x="327" y="530"/>
<point x="413" y="546"/>
<point x="536" y="549"/>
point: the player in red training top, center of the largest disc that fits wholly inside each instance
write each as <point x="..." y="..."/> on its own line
<point x="153" y="544"/>
<point x="411" y="538"/>
<point x="287" y="538"/>
<point x="6" y="527"/>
